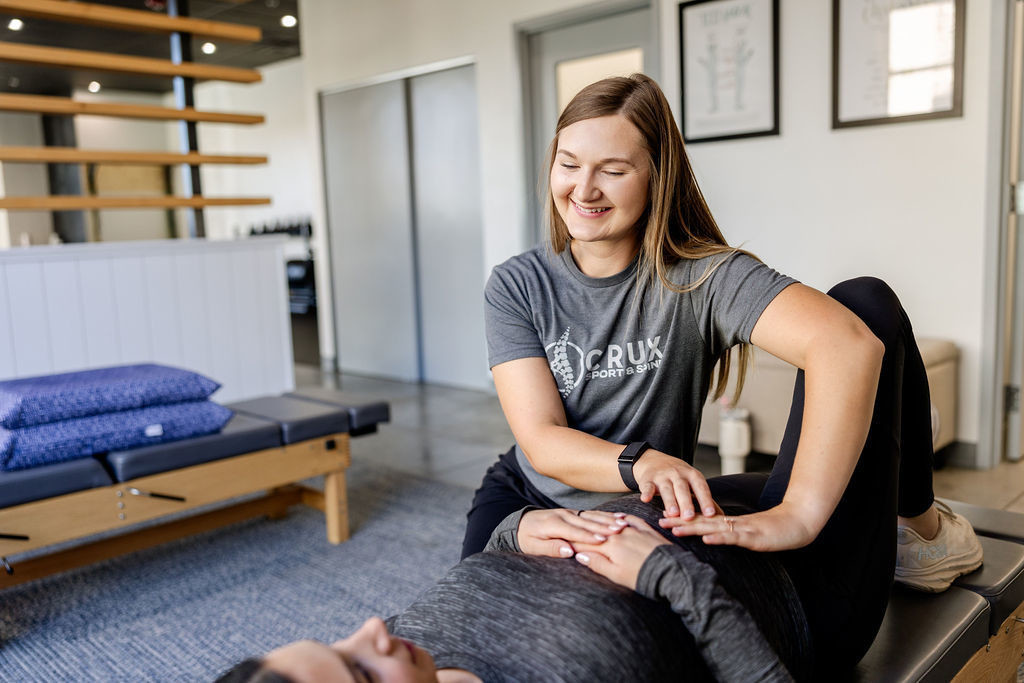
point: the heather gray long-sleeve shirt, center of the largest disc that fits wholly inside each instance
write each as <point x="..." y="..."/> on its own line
<point x="511" y="617"/>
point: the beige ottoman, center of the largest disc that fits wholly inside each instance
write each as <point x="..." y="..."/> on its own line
<point x="768" y="393"/>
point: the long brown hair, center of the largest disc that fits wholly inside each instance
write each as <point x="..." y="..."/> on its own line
<point x="678" y="223"/>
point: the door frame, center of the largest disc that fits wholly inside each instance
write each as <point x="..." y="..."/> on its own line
<point x="549" y="22"/>
<point x="992" y="409"/>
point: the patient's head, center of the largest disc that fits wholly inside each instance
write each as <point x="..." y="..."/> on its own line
<point x="369" y="654"/>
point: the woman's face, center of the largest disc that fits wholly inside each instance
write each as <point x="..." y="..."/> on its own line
<point x="600" y="177"/>
<point x="369" y="654"/>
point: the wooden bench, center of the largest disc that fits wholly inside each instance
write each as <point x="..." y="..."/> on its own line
<point x="269" y="446"/>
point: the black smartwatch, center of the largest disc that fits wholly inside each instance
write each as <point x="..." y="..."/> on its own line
<point x="627" y="459"/>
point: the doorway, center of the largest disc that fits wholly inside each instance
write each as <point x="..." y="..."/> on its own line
<point x="401" y="167"/>
<point x="560" y="57"/>
<point x="1010" y="337"/>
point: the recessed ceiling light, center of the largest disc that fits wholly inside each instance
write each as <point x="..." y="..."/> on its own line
<point x="18" y="24"/>
<point x="94" y="86"/>
<point x="288" y="21"/>
<point x="209" y="48"/>
<point x="13" y="82"/>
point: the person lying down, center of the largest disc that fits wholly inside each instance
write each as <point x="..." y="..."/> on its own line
<point x="629" y="601"/>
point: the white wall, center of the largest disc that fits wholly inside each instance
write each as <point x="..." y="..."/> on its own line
<point x="289" y="178"/>
<point x="353" y="43"/>
<point x="904" y="202"/>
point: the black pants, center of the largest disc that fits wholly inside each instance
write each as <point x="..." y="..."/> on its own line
<point x="843" y="577"/>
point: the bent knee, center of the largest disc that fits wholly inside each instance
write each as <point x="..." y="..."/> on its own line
<point x="874" y="302"/>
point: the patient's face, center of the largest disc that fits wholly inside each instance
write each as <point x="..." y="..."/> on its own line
<point x="369" y="654"/>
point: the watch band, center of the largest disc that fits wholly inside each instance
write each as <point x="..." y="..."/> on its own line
<point x="630" y="454"/>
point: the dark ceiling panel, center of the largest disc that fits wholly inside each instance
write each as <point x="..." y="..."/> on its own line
<point x="278" y="43"/>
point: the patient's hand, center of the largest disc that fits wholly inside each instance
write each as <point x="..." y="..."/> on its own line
<point x="555" y="533"/>
<point x="621" y="556"/>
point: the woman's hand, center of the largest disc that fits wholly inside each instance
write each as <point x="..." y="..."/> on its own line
<point x="554" y="533"/>
<point x="779" y="528"/>
<point x="676" y="482"/>
<point x="620" y="557"/>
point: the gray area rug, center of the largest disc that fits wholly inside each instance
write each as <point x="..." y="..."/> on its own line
<point x="188" y="610"/>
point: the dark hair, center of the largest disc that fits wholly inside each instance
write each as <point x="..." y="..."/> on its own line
<point x="251" y="671"/>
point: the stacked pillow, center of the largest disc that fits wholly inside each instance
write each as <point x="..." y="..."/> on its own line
<point x="54" y="418"/>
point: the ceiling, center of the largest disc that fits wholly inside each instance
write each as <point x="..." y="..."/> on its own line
<point x="278" y="43"/>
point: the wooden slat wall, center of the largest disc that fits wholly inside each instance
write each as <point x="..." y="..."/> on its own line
<point x="219" y="308"/>
<point x="105" y="61"/>
<point x="130" y="19"/>
<point x="74" y="155"/>
<point x="70" y="202"/>
<point x="46" y="104"/>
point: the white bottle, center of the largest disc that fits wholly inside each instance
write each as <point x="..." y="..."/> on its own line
<point x="733" y="438"/>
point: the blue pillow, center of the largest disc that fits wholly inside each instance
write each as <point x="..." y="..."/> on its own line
<point x="39" y="400"/>
<point x="72" y="439"/>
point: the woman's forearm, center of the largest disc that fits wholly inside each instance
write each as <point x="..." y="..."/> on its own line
<point x="840" y="384"/>
<point x="575" y="458"/>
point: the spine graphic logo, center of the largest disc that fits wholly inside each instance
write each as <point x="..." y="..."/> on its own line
<point x="566" y="376"/>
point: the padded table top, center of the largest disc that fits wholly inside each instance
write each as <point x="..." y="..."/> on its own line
<point x="1000" y="580"/>
<point x="926" y="637"/>
<point x="991" y="522"/>
<point x="242" y="434"/>
<point x="299" y="419"/>
<point x="363" y="413"/>
<point x="36" y="483"/>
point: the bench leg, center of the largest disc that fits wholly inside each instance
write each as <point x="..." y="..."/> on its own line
<point x="278" y="513"/>
<point x="336" y="506"/>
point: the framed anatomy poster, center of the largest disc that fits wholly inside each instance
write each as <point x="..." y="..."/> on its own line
<point x="896" y="60"/>
<point x="729" y="51"/>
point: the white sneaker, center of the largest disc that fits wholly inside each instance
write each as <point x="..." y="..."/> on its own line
<point x="932" y="565"/>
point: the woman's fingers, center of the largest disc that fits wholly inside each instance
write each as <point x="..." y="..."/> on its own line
<point x="718" y="530"/>
<point x="647" y="491"/>
<point x="702" y="493"/>
<point x="638" y="524"/>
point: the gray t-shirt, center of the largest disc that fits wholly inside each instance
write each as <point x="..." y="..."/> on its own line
<point x="630" y="366"/>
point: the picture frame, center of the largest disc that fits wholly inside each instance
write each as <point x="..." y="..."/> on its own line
<point x="896" y="61"/>
<point x="729" y="70"/>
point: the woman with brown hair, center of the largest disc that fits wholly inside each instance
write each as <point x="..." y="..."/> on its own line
<point x="603" y="345"/>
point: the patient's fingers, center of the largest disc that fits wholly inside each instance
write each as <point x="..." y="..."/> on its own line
<point x="553" y="533"/>
<point x="591" y="522"/>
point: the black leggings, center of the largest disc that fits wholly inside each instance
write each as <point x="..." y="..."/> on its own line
<point x="843" y="577"/>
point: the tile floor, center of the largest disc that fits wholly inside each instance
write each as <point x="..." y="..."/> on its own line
<point x="454" y="435"/>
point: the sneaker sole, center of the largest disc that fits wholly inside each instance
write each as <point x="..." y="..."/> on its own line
<point x="929" y="581"/>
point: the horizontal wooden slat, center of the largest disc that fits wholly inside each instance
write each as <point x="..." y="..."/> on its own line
<point x="104" y="61"/>
<point x="74" y="202"/>
<point x="73" y="155"/>
<point x="273" y="505"/>
<point x="129" y="19"/>
<point x="47" y="104"/>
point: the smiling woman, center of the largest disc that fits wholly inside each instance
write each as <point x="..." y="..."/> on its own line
<point x="599" y="185"/>
<point x="604" y="344"/>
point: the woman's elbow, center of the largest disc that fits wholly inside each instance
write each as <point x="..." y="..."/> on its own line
<point x="531" y="448"/>
<point x="868" y="347"/>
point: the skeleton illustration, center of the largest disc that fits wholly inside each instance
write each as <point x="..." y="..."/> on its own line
<point x="560" y="364"/>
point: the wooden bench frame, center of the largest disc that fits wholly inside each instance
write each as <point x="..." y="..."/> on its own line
<point x="78" y="515"/>
<point x="1000" y="658"/>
